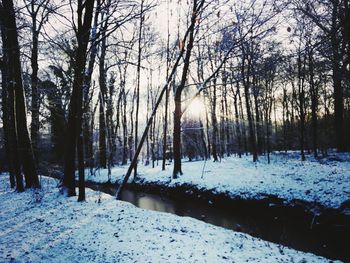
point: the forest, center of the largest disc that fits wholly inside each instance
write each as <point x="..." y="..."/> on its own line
<point x="213" y="110"/>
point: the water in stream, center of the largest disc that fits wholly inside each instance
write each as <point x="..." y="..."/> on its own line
<point x="263" y="225"/>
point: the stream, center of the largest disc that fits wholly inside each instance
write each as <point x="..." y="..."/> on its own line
<point x="331" y="242"/>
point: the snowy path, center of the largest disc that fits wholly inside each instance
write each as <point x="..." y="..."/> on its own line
<point x="326" y="182"/>
<point x="51" y="228"/>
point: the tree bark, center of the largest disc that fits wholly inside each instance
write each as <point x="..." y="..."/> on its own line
<point x="301" y="78"/>
<point x="314" y="101"/>
<point x="137" y="92"/>
<point x="9" y="148"/>
<point x="246" y="85"/>
<point x="87" y="117"/>
<point x="15" y="86"/>
<point x="102" y="117"/>
<point x="214" y="124"/>
<point x="74" y="125"/>
<point x="177" y="114"/>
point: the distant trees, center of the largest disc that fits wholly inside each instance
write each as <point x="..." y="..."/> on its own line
<point x="332" y="19"/>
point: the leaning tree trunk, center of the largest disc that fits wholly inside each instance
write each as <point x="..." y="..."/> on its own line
<point x="154" y="111"/>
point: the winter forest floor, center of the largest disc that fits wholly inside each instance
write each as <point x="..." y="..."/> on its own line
<point x="323" y="182"/>
<point x="45" y="226"/>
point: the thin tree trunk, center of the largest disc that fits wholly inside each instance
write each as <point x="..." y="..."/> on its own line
<point x="242" y="121"/>
<point x="103" y="92"/>
<point x="227" y="121"/>
<point x="125" y="131"/>
<point x="165" y="125"/>
<point x="301" y="77"/>
<point x="80" y="151"/>
<point x="237" y="122"/>
<point x="137" y="92"/>
<point x="314" y="102"/>
<point x="202" y="138"/>
<point x="246" y="84"/>
<point x="214" y="123"/>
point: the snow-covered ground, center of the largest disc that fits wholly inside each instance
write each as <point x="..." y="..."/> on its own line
<point x="325" y="181"/>
<point x="48" y="227"/>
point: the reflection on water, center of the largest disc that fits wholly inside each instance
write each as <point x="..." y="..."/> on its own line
<point x="265" y="226"/>
<point x="205" y="212"/>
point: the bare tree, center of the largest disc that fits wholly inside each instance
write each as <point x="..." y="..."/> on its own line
<point x="16" y="99"/>
<point x="39" y="12"/>
<point x="74" y="125"/>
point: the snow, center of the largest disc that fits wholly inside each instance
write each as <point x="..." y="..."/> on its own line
<point x="325" y="181"/>
<point x="46" y="226"/>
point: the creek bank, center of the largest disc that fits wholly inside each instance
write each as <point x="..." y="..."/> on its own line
<point x="327" y="229"/>
<point x="316" y="214"/>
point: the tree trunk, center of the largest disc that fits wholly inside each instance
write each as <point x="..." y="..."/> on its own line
<point x="103" y="94"/>
<point x="258" y="121"/>
<point x="214" y="123"/>
<point x="237" y="122"/>
<point x="87" y="117"/>
<point x="125" y="131"/>
<point x="227" y="121"/>
<point x="137" y="92"/>
<point x="9" y="148"/>
<point x="301" y="77"/>
<point x="80" y="151"/>
<point x="154" y="111"/>
<point x="314" y="102"/>
<point x="75" y="106"/>
<point x="246" y="84"/>
<point x="102" y="135"/>
<point x="35" y="124"/>
<point x="177" y="138"/>
<point x="15" y="86"/>
<point x="166" y="104"/>
<point x="177" y="114"/>
<point x="337" y="82"/>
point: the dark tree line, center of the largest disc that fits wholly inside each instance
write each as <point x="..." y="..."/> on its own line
<point x="266" y="77"/>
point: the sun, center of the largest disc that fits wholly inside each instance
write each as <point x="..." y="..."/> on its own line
<point x="196" y="109"/>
